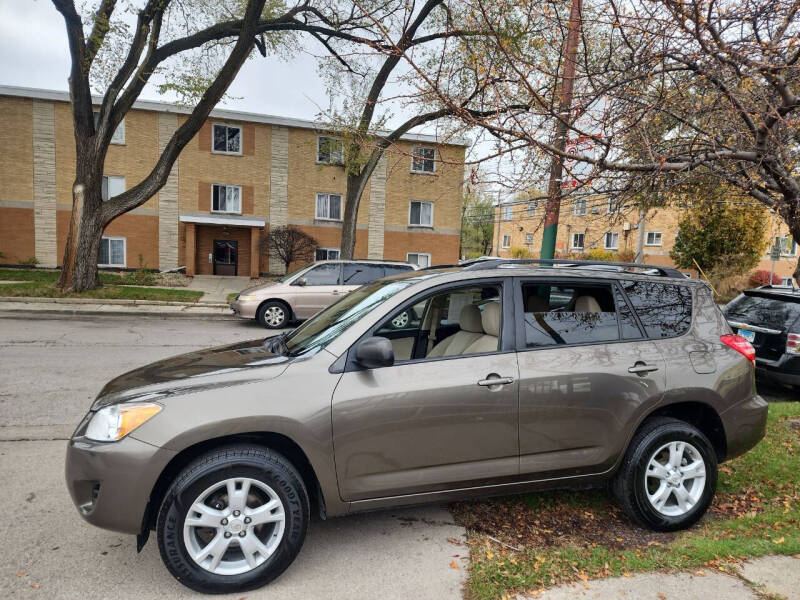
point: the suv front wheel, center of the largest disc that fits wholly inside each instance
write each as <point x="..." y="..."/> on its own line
<point x="668" y="477"/>
<point x="233" y="520"/>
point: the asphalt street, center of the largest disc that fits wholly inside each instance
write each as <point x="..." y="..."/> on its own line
<point x="51" y="371"/>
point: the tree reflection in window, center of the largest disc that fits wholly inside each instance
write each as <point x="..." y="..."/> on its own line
<point x="664" y="309"/>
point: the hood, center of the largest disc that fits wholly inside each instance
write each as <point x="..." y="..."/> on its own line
<point x="223" y="366"/>
<point x="258" y="288"/>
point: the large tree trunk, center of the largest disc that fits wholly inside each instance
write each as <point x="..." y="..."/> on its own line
<point x="355" y="188"/>
<point x="79" y="270"/>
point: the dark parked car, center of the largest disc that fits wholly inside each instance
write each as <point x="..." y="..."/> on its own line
<point x="430" y="386"/>
<point x="769" y="318"/>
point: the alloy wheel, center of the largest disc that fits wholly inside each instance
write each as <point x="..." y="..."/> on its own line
<point x="675" y="478"/>
<point x="234" y="526"/>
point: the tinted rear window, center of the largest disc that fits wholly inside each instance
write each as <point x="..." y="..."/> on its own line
<point x="664" y="309"/>
<point x="771" y="313"/>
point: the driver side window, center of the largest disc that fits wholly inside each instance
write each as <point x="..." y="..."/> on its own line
<point x="324" y="274"/>
<point x="455" y="322"/>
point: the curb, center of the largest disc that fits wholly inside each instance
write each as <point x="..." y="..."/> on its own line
<point x="67" y="312"/>
<point x="119" y="301"/>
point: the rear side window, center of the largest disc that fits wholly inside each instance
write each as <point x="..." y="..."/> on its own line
<point x="664" y="309"/>
<point x="558" y="314"/>
<point x="396" y="269"/>
<point x="360" y="273"/>
<point x="771" y="313"/>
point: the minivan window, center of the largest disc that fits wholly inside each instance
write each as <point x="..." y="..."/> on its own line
<point x="558" y="314"/>
<point x="360" y="273"/>
<point x="395" y="269"/>
<point x="664" y="309"/>
<point x="324" y="327"/>
<point x="324" y="274"/>
<point x="771" y="313"/>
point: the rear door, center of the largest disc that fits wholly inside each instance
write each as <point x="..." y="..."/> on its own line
<point x="585" y="372"/>
<point x="321" y="289"/>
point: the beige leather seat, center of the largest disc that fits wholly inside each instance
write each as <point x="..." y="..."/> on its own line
<point x="587" y="304"/>
<point x="470" y="323"/>
<point x="490" y="320"/>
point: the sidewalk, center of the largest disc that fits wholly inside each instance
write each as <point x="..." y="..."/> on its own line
<point x="216" y="288"/>
<point x="88" y="306"/>
<point x="769" y="576"/>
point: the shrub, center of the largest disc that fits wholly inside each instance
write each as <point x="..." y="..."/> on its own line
<point x="626" y="255"/>
<point x="30" y="262"/>
<point x="520" y="252"/>
<point x="761" y="277"/>
<point x="600" y="254"/>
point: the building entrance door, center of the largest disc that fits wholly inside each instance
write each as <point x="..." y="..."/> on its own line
<point x="226" y="257"/>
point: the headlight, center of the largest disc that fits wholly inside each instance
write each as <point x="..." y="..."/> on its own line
<point x="114" y="422"/>
<point x="247" y="298"/>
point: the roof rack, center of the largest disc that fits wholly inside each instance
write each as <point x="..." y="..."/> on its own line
<point x="661" y="271"/>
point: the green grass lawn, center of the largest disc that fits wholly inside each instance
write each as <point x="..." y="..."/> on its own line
<point x="558" y="537"/>
<point x="39" y="289"/>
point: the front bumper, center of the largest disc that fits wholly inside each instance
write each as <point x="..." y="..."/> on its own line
<point x="745" y="425"/>
<point x="110" y="483"/>
<point x="244" y="309"/>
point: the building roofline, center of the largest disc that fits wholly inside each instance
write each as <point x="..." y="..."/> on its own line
<point x="217" y="113"/>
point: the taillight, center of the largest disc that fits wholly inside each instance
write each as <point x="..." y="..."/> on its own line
<point x="793" y="343"/>
<point x="741" y="345"/>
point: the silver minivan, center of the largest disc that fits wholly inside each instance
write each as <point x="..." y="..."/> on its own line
<point x="306" y="291"/>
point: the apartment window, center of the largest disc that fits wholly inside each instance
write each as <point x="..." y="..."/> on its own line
<point x="423" y="159"/>
<point x="612" y="240"/>
<point x="422" y="259"/>
<point x="226" y="198"/>
<point x="787" y="245"/>
<point x="532" y="206"/>
<point x="330" y="150"/>
<point x="326" y="254"/>
<point x="227" y="139"/>
<point x="506" y="240"/>
<point x="577" y="241"/>
<point x="609" y="206"/>
<point x="329" y="207"/>
<point x="508" y="213"/>
<point x="653" y="238"/>
<point x="119" y="132"/>
<point x="112" y="252"/>
<point x="113" y="185"/>
<point x="420" y="214"/>
<point x="579" y="206"/>
<point x="528" y="238"/>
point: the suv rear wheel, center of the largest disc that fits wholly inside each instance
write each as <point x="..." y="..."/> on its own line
<point x="233" y="520"/>
<point x="668" y="477"/>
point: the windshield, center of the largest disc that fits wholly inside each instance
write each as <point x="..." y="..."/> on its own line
<point x="288" y="276"/>
<point x="321" y="329"/>
<point x="765" y="312"/>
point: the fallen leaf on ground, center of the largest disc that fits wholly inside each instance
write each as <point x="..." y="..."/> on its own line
<point x="454" y="565"/>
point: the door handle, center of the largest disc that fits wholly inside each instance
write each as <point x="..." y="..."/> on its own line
<point x="490" y="381"/>
<point x="642" y="368"/>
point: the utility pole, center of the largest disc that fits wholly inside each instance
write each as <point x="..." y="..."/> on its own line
<point x="640" y="236"/>
<point x="553" y="206"/>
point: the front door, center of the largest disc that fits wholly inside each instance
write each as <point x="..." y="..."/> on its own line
<point x="586" y="373"/>
<point x="431" y="423"/>
<point x="320" y="288"/>
<point x="226" y="257"/>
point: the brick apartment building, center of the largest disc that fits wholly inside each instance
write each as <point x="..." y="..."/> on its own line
<point x="595" y="223"/>
<point x="242" y="174"/>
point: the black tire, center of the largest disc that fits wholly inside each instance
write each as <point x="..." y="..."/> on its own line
<point x="253" y="462"/>
<point x="267" y="312"/>
<point x="630" y="483"/>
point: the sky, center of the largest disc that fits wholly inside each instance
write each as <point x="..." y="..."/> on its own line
<point x="34" y="53"/>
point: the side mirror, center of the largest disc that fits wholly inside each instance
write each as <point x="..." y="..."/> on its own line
<point x="301" y="281"/>
<point x="375" y="352"/>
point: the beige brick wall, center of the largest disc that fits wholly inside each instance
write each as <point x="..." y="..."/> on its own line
<point x="168" y="200"/>
<point x="44" y="183"/>
<point x="595" y="225"/>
